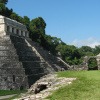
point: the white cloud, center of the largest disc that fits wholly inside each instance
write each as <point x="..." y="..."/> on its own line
<point x="92" y="42"/>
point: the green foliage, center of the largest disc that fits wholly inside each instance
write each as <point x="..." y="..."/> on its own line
<point x="96" y="50"/>
<point x="37" y="29"/>
<point x="86" y="51"/>
<point x="26" y="21"/>
<point x="69" y="53"/>
<point x="37" y="25"/>
<point x="8" y="12"/>
<point x="20" y="19"/>
<point x="9" y="92"/>
<point x="92" y="64"/>
<point x="85" y="87"/>
<point x="53" y="43"/>
<point x="2" y="9"/>
<point x="4" y="1"/>
<point x="14" y="16"/>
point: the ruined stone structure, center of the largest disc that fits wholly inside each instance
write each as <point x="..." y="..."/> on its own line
<point x="9" y="26"/>
<point x="86" y="59"/>
<point x="84" y="65"/>
<point x="23" y="61"/>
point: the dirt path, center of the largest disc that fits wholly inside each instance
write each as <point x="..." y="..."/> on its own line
<point x="6" y="97"/>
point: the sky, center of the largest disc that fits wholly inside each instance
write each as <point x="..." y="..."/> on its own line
<point x="76" y="22"/>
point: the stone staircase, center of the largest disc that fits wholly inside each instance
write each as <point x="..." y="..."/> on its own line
<point x="12" y="73"/>
<point x="32" y="62"/>
<point x="23" y="62"/>
<point x="56" y="63"/>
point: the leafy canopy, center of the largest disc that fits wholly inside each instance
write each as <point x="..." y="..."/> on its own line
<point x="4" y="1"/>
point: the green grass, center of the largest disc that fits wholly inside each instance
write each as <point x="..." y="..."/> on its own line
<point x="86" y="87"/>
<point x="16" y="96"/>
<point x="10" y="92"/>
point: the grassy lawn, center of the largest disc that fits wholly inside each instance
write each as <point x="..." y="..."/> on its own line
<point x="86" y="87"/>
<point x="10" y="92"/>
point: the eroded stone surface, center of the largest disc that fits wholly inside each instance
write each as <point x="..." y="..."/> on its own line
<point x="51" y="81"/>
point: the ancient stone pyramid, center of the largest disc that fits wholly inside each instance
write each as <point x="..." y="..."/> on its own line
<point x="23" y="61"/>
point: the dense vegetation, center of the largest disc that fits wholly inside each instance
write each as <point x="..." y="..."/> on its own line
<point x="71" y="54"/>
<point x="92" y="64"/>
<point x="85" y="87"/>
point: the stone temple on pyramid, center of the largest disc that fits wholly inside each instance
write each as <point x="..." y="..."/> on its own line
<point x="23" y="61"/>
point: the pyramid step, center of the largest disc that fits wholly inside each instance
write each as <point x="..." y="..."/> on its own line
<point x="9" y="58"/>
<point x="15" y="39"/>
<point x="21" y="48"/>
<point x="5" y="38"/>
<point x="21" y="45"/>
<point x="19" y="58"/>
<point x="7" y="53"/>
<point x="11" y="71"/>
<point x="29" y="58"/>
<point x="5" y="42"/>
<point x="11" y="64"/>
<point x="30" y="71"/>
<point x="32" y="64"/>
<point x="26" y="53"/>
<point x="24" y="46"/>
<point x="10" y="47"/>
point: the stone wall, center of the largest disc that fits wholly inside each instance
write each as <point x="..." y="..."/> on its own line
<point x="87" y="58"/>
<point x="84" y="64"/>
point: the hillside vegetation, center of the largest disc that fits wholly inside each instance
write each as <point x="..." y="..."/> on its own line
<point x="36" y="27"/>
<point x="86" y="87"/>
